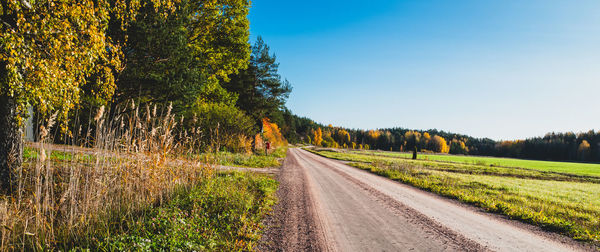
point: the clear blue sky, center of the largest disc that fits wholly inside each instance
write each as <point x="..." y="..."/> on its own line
<point x="507" y="69"/>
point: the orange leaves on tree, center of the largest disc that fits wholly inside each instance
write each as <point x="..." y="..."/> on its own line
<point x="583" y="150"/>
<point x="439" y="144"/>
<point x="318" y="135"/>
<point x="272" y="134"/>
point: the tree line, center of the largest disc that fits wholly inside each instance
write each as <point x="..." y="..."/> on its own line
<point x="584" y="146"/>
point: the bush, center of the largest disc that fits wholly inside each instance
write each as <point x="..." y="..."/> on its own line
<point x="223" y="126"/>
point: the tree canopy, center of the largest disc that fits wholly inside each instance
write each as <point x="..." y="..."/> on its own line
<point x="262" y="92"/>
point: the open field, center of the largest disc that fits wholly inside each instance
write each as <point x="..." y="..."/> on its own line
<point x="566" y="167"/>
<point x="562" y="202"/>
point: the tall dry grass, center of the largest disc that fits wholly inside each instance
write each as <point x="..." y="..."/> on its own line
<point x="70" y="195"/>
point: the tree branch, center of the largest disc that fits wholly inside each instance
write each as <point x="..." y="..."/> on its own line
<point x="26" y="4"/>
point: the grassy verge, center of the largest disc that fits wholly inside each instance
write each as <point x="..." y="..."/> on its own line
<point x="222" y="213"/>
<point x="253" y="160"/>
<point x="114" y="201"/>
<point x="564" y="167"/>
<point x="564" y="203"/>
<point x="134" y="188"/>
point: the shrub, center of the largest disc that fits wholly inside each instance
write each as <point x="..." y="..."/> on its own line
<point x="222" y="126"/>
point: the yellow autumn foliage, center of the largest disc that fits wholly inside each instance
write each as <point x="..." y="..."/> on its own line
<point x="272" y="134"/>
<point x="438" y="144"/>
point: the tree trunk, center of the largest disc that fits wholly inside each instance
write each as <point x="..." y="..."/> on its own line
<point x="11" y="143"/>
<point x="414" y="152"/>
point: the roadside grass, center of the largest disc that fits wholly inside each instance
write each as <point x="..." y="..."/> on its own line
<point x="252" y="160"/>
<point x="223" y="213"/>
<point x="554" y="166"/>
<point x="564" y="203"/>
<point x="137" y="165"/>
<point x="177" y="206"/>
<point x="30" y="154"/>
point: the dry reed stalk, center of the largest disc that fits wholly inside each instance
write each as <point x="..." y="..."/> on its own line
<point x="81" y="192"/>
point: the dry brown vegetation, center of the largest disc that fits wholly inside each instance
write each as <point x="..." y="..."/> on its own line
<point x="73" y="195"/>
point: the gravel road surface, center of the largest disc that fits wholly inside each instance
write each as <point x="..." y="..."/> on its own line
<point x="326" y="205"/>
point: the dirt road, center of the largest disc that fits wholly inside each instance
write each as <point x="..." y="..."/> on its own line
<point x="328" y="206"/>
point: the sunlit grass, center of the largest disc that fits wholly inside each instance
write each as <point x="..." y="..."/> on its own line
<point x="253" y="160"/>
<point x="566" y="167"/>
<point x="223" y="213"/>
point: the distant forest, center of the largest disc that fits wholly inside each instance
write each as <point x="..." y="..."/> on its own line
<point x="568" y="146"/>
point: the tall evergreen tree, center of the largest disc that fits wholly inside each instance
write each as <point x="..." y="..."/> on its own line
<point x="262" y="92"/>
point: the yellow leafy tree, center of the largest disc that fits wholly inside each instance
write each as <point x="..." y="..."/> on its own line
<point x="342" y="137"/>
<point x="318" y="135"/>
<point x="48" y="50"/>
<point x="426" y="138"/>
<point x="412" y="139"/>
<point x="438" y="144"/>
<point x="458" y="147"/>
<point x="583" y="150"/>
<point x="372" y="137"/>
<point x="272" y="134"/>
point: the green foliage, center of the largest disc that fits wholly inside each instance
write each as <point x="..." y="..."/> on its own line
<point x="161" y="67"/>
<point x="261" y="91"/>
<point x="51" y="49"/>
<point x="342" y="137"/>
<point x="222" y="125"/>
<point x="458" y="147"/>
<point x="219" y="32"/>
<point x="178" y="58"/>
<point x="255" y="160"/>
<point x="46" y="70"/>
<point x="328" y="141"/>
<point x="223" y="213"/>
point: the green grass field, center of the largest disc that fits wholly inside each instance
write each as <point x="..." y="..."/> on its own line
<point x="552" y="198"/>
<point x="566" y="167"/>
